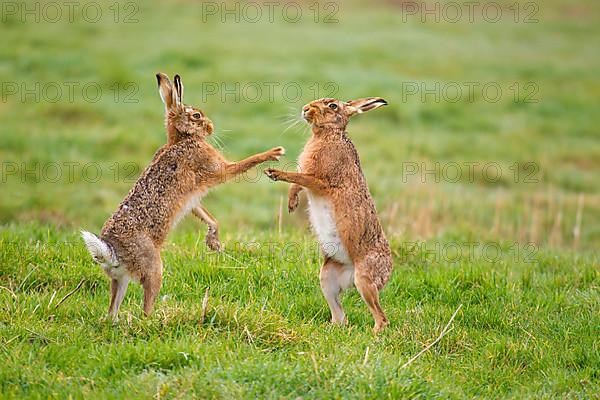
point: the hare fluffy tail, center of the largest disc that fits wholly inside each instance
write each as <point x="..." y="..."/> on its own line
<point x="101" y="251"/>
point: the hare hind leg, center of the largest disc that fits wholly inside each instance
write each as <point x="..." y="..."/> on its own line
<point x="151" y="281"/>
<point x="118" y="289"/>
<point x="370" y="294"/>
<point x="335" y="277"/>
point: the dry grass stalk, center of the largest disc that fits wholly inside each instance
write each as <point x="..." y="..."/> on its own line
<point x="578" y="221"/>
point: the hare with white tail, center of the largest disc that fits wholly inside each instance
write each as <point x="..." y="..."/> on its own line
<point x="341" y="208"/>
<point x="171" y="186"/>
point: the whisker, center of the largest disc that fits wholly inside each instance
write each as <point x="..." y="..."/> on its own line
<point x="217" y="142"/>
<point x="293" y="124"/>
<point x="221" y="142"/>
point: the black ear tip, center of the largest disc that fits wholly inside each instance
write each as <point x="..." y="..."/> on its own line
<point x="177" y="77"/>
<point x="383" y="101"/>
<point x="158" y="78"/>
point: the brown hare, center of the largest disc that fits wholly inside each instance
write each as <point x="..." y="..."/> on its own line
<point x="342" y="212"/>
<point x="174" y="135"/>
<point x="172" y="185"/>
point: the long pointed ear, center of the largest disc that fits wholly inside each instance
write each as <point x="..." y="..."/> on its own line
<point x="360" y="106"/>
<point x="165" y="89"/>
<point x="179" y="88"/>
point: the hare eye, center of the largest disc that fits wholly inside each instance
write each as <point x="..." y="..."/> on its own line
<point x="333" y="106"/>
<point x="196" y="115"/>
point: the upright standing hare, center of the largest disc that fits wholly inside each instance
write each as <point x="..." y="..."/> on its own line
<point x="341" y="209"/>
<point x="174" y="182"/>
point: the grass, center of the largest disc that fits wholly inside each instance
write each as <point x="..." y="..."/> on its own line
<point x="530" y="314"/>
<point x="524" y="330"/>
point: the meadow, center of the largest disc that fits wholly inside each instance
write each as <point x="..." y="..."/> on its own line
<point x="484" y="169"/>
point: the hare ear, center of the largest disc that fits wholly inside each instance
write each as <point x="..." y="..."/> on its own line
<point x="179" y="88"/>
<point x="165" y="89"/>
<point x="360" y="106"/>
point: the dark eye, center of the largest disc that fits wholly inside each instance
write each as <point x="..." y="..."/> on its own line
<point x="197" y="115"/>
<point x="333" y="106"/>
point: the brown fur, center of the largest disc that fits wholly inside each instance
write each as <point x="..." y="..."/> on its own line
<point x="179" y="174"/>
<point x="329" y="168"/>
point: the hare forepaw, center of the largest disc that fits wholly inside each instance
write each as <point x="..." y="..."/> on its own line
<point x="292" y="203"/>
<point x="275" y="153"/>
<point x="380" y="326"/>
<point x="273" y="174"/>
<point x="213" y="242"/>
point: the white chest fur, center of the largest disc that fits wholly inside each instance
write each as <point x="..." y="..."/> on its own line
<point x="192" y="201"/>
<point x="323" y="222"/>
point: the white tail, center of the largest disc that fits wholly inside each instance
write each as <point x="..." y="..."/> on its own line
<point x="99" y="249"/>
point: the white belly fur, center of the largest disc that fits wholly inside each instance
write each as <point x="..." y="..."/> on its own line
<point x="323" y="223"/>
<point x="192" y="202"/>
<point x="117" y="272"/>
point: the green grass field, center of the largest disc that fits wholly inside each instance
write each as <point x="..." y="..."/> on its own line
<point x="518" y="253"/>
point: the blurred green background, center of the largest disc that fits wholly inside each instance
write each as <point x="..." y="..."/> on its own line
<point x="80" y="117"/>
<point x="542" y="131"/>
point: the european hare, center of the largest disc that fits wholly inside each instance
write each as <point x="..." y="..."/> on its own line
<point x="172" y="185"/>
<point x="341" y="209"/>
